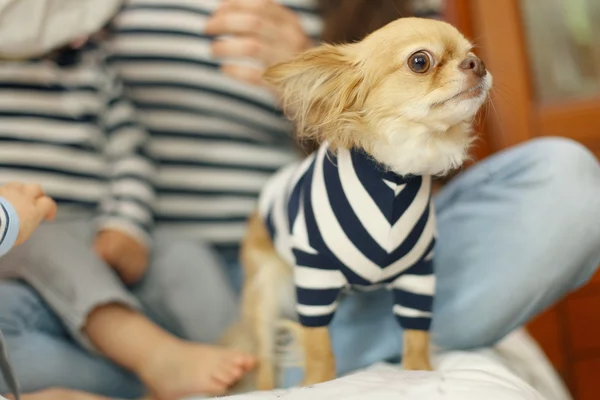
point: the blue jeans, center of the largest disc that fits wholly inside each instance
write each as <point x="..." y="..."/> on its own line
<point x="186" y="290"/>
<point x="516" y="233"/>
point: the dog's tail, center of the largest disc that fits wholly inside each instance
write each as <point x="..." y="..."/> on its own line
<point x="268" y="295"/>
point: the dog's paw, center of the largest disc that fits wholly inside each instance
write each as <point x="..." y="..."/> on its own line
<point x="324" y="375"/>
<point x="413" y="363"/>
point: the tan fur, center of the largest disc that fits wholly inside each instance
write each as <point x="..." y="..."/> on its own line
<point x="329" y="104"/>
<point x="364" y="95"/>
<point x="416" y="351"/>
<point x="361" y="95"/>
<point x="264" y="274"/>
<point x="320" y="361"/>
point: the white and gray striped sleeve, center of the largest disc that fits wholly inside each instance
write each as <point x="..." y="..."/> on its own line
<point x="129" y="206"/>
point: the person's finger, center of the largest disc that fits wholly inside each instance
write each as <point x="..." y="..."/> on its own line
<point x="281" y="20"/>
<point x="13" y="185"/>
<point x="239" y="23"/>
<point x="250" y="75"/>
<point x="33" y="190"/>
<point x="267" y="45"/>
<point x="240" y="47"/>
<point x="273" y="40"/>
<point x="46" y="208"/>
<point x="266" y="8"/>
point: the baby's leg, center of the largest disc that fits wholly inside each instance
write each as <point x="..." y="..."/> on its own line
<point x="43" y="355"/>
<point x="60" y="394"/>
<point x="101" y="313"/>
<point x="185" y="290"/>
<point x="413" y="301"/>
<point x="171" y="367"/>
<point x="58" y="262"/>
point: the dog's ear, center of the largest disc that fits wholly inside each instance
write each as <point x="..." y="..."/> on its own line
<point x="320" y="91"/>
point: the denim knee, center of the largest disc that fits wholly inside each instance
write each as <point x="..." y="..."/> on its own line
<point x="541" y="201"/>
<point x="572" y="176"/>
<point x="566" y="162"/>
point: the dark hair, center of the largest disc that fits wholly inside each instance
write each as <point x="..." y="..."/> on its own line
<point x="351" y="20"/>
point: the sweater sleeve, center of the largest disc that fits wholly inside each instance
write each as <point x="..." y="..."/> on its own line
<point x="318" y="287"/>
<point x="129" y="205"/>
<point x="30" y="28"/>
<point x="9" y="226"/>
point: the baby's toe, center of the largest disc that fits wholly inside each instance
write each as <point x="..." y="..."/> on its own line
<point x="215" y="386"/>
<point x="228" y="376"/>
<point x="245" y="361"/>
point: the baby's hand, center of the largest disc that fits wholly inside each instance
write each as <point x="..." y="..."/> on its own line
<point x="123" y="253"/>
<point x="31" y="204"/>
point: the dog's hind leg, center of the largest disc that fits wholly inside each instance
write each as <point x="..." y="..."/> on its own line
<point x="266" y="274"/>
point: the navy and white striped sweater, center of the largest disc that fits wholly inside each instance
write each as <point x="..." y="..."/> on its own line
<point x="345" y="222"/>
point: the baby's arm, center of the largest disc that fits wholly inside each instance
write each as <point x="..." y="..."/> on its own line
<point x="22" y="208"/>
<point x="126" y="221"/>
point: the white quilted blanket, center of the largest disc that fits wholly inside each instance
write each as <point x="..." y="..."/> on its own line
<point x="514" y="370"/>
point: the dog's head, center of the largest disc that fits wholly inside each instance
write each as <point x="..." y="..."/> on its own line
<point x="407" y="94"/>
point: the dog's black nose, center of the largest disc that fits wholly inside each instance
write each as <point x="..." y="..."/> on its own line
<point x="474" y="64"/>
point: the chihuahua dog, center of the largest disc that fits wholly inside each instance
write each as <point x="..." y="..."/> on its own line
<point x="389" y="112"/>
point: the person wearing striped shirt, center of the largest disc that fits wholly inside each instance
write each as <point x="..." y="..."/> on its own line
<point x="65" y="121"/>
<point x="216" y="140"/>
<point x="346" y="221"/>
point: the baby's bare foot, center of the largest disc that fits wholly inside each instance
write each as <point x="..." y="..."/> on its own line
<point x="186" y="369"/>
<point x="59" y="394"/>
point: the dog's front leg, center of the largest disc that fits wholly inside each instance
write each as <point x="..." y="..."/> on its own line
<point x="320" y="361"/>
<point x="416" y="351"/>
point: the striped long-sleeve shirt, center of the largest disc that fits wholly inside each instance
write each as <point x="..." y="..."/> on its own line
<point x="343" y="221"/>
<point x="216" y="140"/>
<point x="71" y="129"/>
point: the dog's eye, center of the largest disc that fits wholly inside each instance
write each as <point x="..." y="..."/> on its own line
<point x="420" y="62"/>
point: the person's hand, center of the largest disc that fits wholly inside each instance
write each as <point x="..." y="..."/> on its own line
<point x="127" y="256"/>
<point x="262" y="30"/>
<point x="31" y="205"/>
